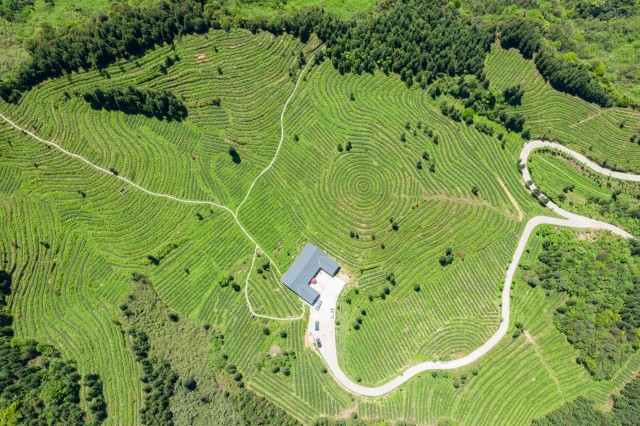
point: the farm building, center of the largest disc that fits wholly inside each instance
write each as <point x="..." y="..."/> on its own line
<point x="304" y="269"/>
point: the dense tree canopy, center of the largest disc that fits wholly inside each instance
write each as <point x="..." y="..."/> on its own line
<point x="36" y="386"/>
<point x="523" y="35"/>
<point x="606" y="9"/>
<point x="601" y="284"/>
<point x="160" y="104"/>
<point x="12" y="10"/>
<point x="215" y="390"/>
<point x="123" y="32"/>
<point x="572" y="78"/>
<point x="477" y="98"/>
<point x="420" y="41"/>
<point x="417" y="40"/>
<point x="582" y="412"/>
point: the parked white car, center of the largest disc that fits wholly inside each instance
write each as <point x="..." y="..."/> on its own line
<point x="331" y="312"/>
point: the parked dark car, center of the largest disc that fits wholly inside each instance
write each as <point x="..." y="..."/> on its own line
<point x="318" y="343"/>
<point x="317" y="325"/>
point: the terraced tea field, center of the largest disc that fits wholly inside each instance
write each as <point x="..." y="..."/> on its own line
<point x="325" y="194"/>
<point x="192" y="155"/>
<point x="75" y="240"/>
<point x="601" y="134"/>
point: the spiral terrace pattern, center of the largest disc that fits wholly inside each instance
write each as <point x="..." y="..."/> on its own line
<point x="328" y="350"/>
<point x="370" y="191"/>
<point x="315" y="193"/>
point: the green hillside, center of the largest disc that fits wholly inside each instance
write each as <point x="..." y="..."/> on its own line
<point x="369" y="169"/>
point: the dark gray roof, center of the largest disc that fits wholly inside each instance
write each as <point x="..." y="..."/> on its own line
<point x="304" y="268"/>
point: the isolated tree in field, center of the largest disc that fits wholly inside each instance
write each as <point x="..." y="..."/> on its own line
<point x="391" y="277"/>
<point x="348" y="146"/>
<point x="512" y="121"/>
<point x="447" y="259"/>
<point x="235" y="157"/>
<point x="189" y="383"/>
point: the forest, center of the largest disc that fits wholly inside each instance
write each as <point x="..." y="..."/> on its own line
<point x="478" y="99"/>
<point x="36" y="385"/>
<point x="419" y="41"/>
<point x="574" y="79"/>
<point x="439" y="42"/>
<point x="601" y="285"/>
<point x="582" y="412"/>
<point x="159" y="104"/>
<point x="12" y="10"/>
<point x="206" y="386"/>
<point x="607" y="9"/>
<point x="123" y="32"/>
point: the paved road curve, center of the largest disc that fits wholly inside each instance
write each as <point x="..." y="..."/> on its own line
<point x="331" y="294"/>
